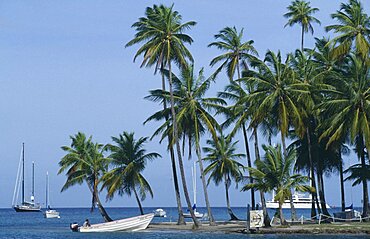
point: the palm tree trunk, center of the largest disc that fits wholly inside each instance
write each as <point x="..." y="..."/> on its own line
<point x="266" y="217"/>
<point x="249" y="162"/>
<point x="365" y="205"/>
<point x="232" y="215"/>
<point x="178" y="149"/>
<point x="96" y="199"/>
<point x="292" y="209"/>
<point x="256" y="150"/>
<point x="302" y="37"/>
<point x="138" y="202"/>
<point x="343" y="202"/>
<point x="181" y="219"/>
<point x="312" y="178"/>
<point x="321" y="193"/>
<point x="281" y="214"/>
<point x="210" y="215"/>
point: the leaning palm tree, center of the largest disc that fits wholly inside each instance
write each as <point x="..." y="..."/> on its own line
<point x="223" y="165"/>
<point x="84" y="162"/>
<point x="353" y="28"/>
<point x="348" y="104"/>
<point x="153" y="31"/>
<point x="300" y="12"/>
<point x="128" y="158"/>
<point x="161" y="31"/>
<point x="236" y="51"/>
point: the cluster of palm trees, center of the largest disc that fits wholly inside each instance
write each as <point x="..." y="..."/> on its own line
<point x="116" y="167"/>
<point x="317" y="98"/>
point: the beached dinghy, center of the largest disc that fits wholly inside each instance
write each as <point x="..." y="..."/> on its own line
<point x="127" y="224"/>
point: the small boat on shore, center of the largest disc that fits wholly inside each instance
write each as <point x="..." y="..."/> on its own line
<point x="299" y="200"/>
<point x="159" y="212"/>
<point x="128" y="224"/>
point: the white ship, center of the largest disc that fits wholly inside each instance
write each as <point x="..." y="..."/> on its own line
<point x="300" y="201"/>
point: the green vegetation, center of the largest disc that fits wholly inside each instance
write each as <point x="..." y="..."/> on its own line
<point x="317" y="98"/>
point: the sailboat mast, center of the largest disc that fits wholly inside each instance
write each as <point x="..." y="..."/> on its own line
<point x="47" y="189"/>
<point x="33" y="181"/>
<point x="22" y="173"/>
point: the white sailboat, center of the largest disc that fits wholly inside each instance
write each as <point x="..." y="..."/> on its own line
<point x="24" y="206"/>
<point x="194" y="178"/>
<point x="49" y="213"/>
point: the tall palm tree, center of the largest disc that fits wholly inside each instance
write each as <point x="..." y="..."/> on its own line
<point x="192" y="109"/>
<point x="161" y="31"/>
<point x="347" y="103"/>
<point x="300" y="12"/>
<point x="84" y="162"/>
<point x="236" y="51"/>
<point x="238" y="113"/>
<point x="353" y="28"/>
<point x="128" y="158"/>
<point x="223" y="165"/>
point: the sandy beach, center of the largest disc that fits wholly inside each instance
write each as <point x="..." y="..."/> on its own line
<point x="240" y="227"/>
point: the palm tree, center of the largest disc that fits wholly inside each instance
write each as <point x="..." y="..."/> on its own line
<point x="239" y="113"/>
<point x="353" y="28"/>
<point x="128" y="158"/>
<point x="347" y="103"/>
<point x="236" y="51"/>
<point x="192" y="109"/>
<point x="161" y="31"/>
<point x="85" y="163"/>
<point x="300" y="12"/>
<point x="223" y="165"/>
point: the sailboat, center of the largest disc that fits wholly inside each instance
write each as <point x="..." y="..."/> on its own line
<point x="194" y="178"/>
<point x="49" y="213"/>
<point x="25" y="206"/>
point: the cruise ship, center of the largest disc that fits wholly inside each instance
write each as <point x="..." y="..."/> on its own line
<point x="300" y="201"/>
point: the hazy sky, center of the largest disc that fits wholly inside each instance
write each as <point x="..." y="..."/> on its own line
<point x="64" y="69"/>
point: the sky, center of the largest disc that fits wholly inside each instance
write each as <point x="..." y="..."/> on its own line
<point x="64" y="68"/>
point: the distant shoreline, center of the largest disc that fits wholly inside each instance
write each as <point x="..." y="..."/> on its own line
<point x="239" y="227"/>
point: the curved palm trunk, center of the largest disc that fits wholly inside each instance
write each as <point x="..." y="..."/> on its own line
<point x="181" y="219"/>
<point x="266" y="217"/>
<point x="138" y="202"/>
<point x="249" y="163"/>
<point x="96" y="199"/>
<point x="210" y="215"/>
<point x="178" y="149"/>
<point x="281" y="214"/>
<point x="229" y="210"/>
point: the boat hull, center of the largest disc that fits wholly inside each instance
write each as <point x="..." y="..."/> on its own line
<point x="197" y="215"/>
<point x="27" y="209"/>
<point x="128" y="224"/>
<point x="51" y="214"/>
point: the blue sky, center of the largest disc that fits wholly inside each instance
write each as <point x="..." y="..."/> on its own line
<point x="64" y="69"/>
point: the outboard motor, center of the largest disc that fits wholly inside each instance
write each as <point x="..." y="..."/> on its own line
<point x="74" y="226"/>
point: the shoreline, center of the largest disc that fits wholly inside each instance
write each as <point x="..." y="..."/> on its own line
<point x="239" y="227"/>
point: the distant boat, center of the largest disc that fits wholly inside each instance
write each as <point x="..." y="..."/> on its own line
<point x="49" y="213"/>
<point x="159" y="212"/>
<point x="128" y="224"/>
<point x="300" y="201"/>
<point x="194" y="178"/>
<point x="24" y="206"/>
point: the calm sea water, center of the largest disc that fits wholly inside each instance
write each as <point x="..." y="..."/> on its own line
<point x="34" y="225"/>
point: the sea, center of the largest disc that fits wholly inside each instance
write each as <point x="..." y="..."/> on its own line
<point x="34" y="225"/>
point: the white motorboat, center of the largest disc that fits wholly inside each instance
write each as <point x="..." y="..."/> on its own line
<point x="49" y="213"/>
<point x="24" y="206"/>
<point x="160" y="213"/>
<point x="196" y="213"/>
<point x="300" y="201"/>
<point x="127" y="224"/>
